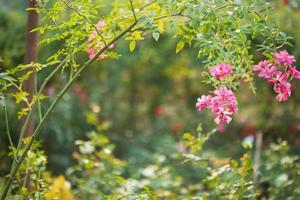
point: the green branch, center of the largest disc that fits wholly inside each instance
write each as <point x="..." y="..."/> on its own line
<point x="133" y="11"/>
<point x="47" y="79"/>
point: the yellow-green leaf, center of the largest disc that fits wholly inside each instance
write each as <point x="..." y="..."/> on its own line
<point x="179" y="46"/>
<point x="132" y="45"/>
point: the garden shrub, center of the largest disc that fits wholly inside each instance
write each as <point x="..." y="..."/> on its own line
<point x="221" y="33"/>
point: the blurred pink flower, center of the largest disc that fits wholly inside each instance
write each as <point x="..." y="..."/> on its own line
<point x="261" y="64"/>
<point x="283" y="88"/>
<point x="278" y="76"/>
<point x="220" y="70"/>
<point x="221" y="127"/>
<point x="294" y="72"/>
<point x="100" y="24"/>
<point x="203" y="102"/>
<point x="223" y="104"/>
<point x="222" y="117"/>
<point x="279" y="73"/>
<point x="94" y="48"/>
<point x="283" y="58"/>
<point x="265" y="69"/>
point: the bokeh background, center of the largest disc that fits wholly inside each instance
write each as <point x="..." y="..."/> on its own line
<point x="145" y="100"/>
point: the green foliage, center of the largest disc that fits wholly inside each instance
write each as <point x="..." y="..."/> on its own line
<point x="31" y="181"/>
<point x="224" y="179"/>
<point x="280" y="173"/>
<point x="220" y="31"/>
<point x="97" y="172"/>
<point x="99" y="175"/>
<point x="12" y="23"/>
<point x="232" y="181"/>
<point x="196" y="144"/>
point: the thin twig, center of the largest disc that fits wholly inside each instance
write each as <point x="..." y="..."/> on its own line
<point x="39" y="109"/>
<point x="172" y="15"/>
<point x="8" y="133"/>
<point x="162" y="17"/>
<point x="133" y="11"/>
<point x="139" y="10"/>
<point x="227" y="6"/>
<point x="147" y="5"/>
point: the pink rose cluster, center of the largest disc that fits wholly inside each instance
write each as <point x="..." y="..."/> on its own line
<point x="93" y="49"/>
<point x="279" y="73"/>
<point x="223" y="102"/>
<point x="220" y="70"/>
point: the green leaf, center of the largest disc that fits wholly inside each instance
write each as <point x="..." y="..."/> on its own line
<point x="187" y="136"/>
<point x="35" y="29"/>
<point x="282" y="34"/>
<point x="4" y="76"/>
<point x="155" y="35"/>
<point x="20" y="96"/>
<point x="132" y="45"/>
<point x="53" y="62"/>
<point x="199" y="128"/>
<point x="37" y="10"/>
<point x="180" y="46"/>
<point x="23" y="112"/>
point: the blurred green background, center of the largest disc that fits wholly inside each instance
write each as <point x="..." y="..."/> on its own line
<point x="146" y="99"/>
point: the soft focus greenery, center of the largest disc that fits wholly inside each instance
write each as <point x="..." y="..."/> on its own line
<point x="128" y="127"/>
